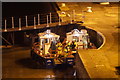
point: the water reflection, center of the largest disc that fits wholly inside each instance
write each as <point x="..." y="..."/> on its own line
<point x="60" y="71"/>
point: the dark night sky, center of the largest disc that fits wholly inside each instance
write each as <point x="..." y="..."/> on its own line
<point x="25" y="8"/>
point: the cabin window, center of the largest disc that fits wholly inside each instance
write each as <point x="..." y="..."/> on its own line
<point x="76" y="38"/>
<point x="46" y="40"/>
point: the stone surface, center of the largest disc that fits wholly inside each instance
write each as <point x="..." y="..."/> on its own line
<point x="99" y="63"/>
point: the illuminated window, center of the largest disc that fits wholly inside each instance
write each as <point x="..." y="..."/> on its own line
<point x="75" y="38"/>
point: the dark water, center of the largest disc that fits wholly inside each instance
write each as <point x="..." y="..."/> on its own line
<point x="17" y="63"/>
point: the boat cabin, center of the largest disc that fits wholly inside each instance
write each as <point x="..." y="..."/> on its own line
<point x="45" y="40"/>
<point x="80" y="37"/>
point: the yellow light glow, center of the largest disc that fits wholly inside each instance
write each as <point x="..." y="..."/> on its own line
<point x="63" y="5"/>
<point x="104" y="3"/>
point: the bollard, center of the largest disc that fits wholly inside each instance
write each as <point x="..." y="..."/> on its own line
<point x="59" y="21"/>
<point x="38" y="19"/>
<point x="34" y="23"/>
<point x="89" y="9"/>
<point x="5" y="25"/>
<point x="50" y="18"/>
<point x="47" y="22"/>
<point x="12" y="22"/>
<point x="26" y="21"/>
<point x="19" y="23"/>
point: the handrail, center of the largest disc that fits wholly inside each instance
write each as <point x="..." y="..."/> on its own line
<point x="40" y="18"/>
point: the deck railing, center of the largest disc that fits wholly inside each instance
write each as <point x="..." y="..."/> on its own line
<point x="30" y="20"/>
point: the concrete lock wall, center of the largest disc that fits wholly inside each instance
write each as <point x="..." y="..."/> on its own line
<point x="81" y="72"/>
<point x="95" y="37"/>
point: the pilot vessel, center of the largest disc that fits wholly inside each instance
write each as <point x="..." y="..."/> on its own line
<point x="51" y="52"/>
